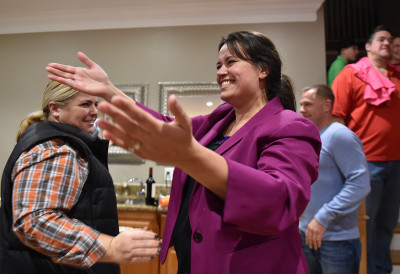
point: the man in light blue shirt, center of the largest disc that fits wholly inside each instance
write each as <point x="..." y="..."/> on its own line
<point x="329" y="224"/>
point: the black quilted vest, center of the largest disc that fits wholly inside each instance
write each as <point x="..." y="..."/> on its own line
<point x="96" y="206"/>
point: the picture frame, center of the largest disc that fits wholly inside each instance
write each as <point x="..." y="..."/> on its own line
<point x="195" y="91"/>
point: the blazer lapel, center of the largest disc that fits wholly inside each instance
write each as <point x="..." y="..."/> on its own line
<point x="271" y="108"/>
<point x="261" y="116"/>
<point x="217" y="128"/>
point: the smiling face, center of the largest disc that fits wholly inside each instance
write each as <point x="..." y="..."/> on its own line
<point x="80" y="112"/>
<point x="240" y="81"/>
<point x="380" y="46"/>
<point x="315" y="108"/>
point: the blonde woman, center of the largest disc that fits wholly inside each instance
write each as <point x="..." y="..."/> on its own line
<point x="59" y="212"/>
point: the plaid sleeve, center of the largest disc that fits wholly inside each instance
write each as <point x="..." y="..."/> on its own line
<point x="47" y="182"/>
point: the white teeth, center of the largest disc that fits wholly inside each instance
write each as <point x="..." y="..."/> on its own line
<point x="225" y="83"/>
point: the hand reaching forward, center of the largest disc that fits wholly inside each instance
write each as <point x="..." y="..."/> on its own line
<point x="130" y="246"/>
<point x="139" y="132"/>
<point x="92" y="80"/>
<point x="314" y="234"/>
<point x="169" y="143"/>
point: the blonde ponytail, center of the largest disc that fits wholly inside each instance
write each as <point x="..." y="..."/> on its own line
<point x="35" y="117"/>
<point x="54" y="92"/>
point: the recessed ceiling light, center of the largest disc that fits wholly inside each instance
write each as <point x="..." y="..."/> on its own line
<point x="209" y="104"/>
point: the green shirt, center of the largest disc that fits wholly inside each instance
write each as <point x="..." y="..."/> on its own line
<point x="335" y="68"/>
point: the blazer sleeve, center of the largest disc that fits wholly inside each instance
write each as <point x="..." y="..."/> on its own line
<point x="268" y="198"/>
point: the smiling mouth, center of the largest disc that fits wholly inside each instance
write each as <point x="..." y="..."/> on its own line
<point x="225" y="83"/>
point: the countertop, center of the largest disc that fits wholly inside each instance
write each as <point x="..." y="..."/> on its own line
<point x="142" y="207"/>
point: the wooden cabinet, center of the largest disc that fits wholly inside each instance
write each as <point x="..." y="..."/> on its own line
<point x="362" y="226"/>
<point x="140" y="216"/>
<point x="171" y="263"/>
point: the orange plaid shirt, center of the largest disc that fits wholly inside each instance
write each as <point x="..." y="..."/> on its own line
<point x="47" y="182"/>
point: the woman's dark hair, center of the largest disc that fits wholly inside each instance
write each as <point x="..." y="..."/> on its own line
<point x="257" y="49"/>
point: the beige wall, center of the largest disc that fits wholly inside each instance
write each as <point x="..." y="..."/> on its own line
<point x="141" y="55"/>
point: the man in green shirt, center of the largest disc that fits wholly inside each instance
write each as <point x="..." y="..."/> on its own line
<point x="348" y="52"/>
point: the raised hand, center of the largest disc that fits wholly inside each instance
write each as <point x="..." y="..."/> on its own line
<point x="159" y="141"/>
<point x="92" y="80"/>
<point x="169" y="143"/>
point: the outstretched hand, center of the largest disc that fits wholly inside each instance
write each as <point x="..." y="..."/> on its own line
<point x="92" y="80"/>
<point x="131" y="246"/>
<point x="139" y="132"/>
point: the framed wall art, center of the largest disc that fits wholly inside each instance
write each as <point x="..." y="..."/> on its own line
<point x="196" y="98"/>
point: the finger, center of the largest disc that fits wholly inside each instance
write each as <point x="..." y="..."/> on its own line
<point x="176" y="109"/>
<point x="142" y="259"/>
<point x="116" y="141"/>
<point x="123" y="131"/>
<point x="67" y="81"/>
<point x="147" y="252"/>
<point x="140" y="126"/>
<point x="311" y="241"/>
<point x="120" y="118"/>
<point x="60" y="79"/>
<point x="60" y="69"/>
<point x="57" y="74"/>
<point x="143" y="235"/>
<point x="86" y="60"/>
<point x="315" y="245"/>
<point x="308" y="240"/>
<point x="319" y="242"/>
<point x="62" y="74"/>
<point x="144" y="120"/>
<point x="135" y="260"/>
<point x="114" y="133"/>
<point x="315" y="242"/>
<point x="137" y="256"/>
<point x="145" y="244"/>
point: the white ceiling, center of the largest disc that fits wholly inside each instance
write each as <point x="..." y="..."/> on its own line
<point x="26" y="16"/>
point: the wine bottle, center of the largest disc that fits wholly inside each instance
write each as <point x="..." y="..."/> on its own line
<point x="149" y="182"/>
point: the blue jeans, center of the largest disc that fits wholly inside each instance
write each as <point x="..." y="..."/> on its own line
<point x="334" y="257"/>
<point x="382" y="207"/>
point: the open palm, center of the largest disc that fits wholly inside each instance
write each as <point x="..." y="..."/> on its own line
<point x="92" y="80"/>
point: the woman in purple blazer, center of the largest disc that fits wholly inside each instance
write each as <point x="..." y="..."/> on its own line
<point x="243" y="172"/>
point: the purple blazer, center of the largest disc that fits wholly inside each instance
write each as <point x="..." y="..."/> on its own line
<point x="272" y="161"/>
